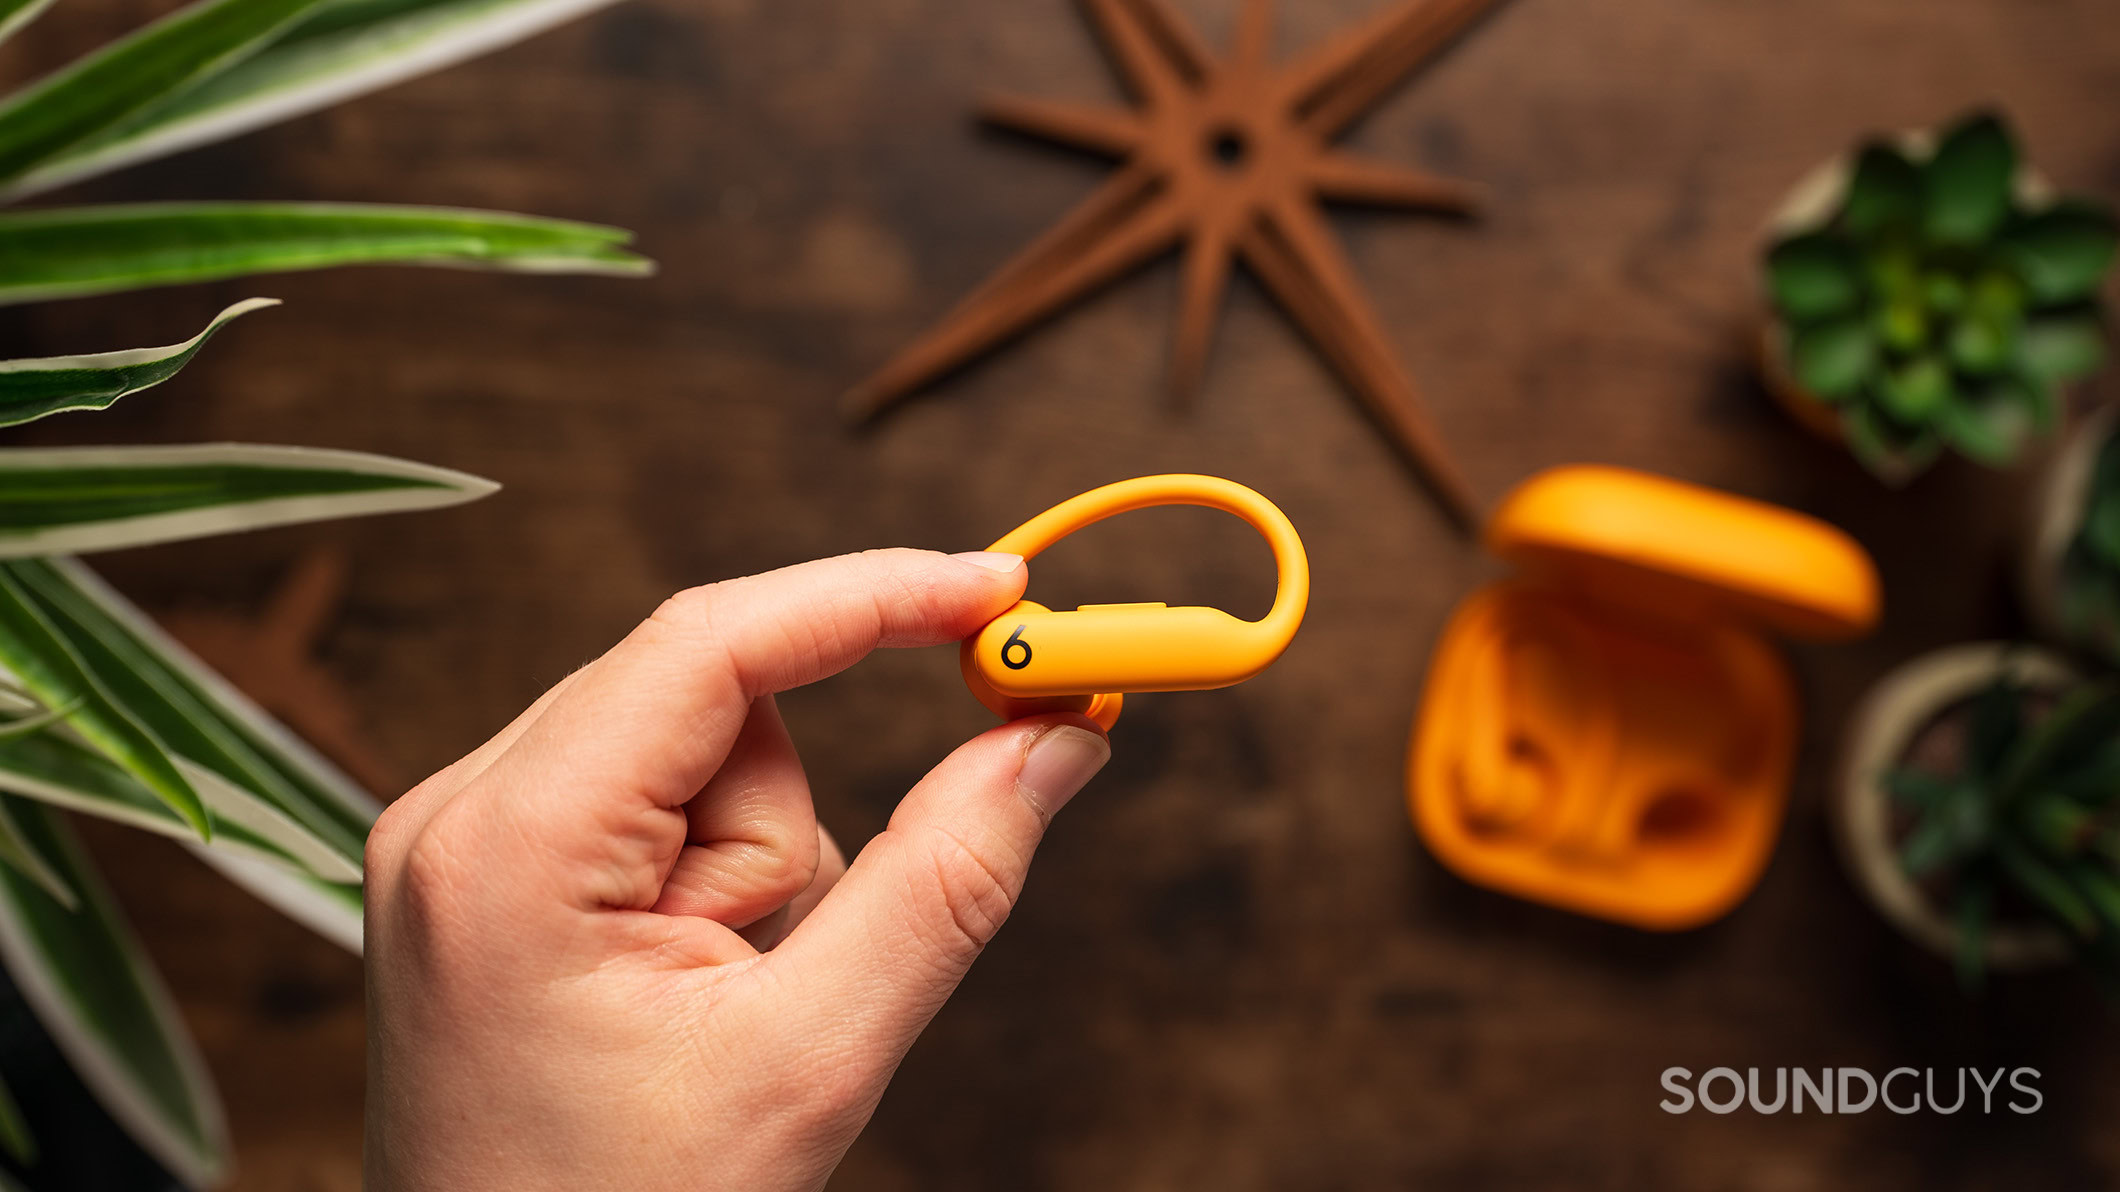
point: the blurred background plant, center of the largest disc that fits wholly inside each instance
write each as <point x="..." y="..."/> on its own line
<point x="2087" y="588"/>
<point x="105" y="714"/>
<point x="1943" y="302"/>
<point x="2026" y="823"/>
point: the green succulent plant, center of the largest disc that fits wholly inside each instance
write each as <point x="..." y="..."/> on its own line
<point x="2028" y="823"/>
<point x="1940" y="304"/>
<point x="2088" y="592"/>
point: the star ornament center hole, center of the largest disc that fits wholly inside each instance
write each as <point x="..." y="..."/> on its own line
<point x="1228" y="148"/>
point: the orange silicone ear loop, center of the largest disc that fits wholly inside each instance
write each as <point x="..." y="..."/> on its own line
<point x="1292" y="590"/>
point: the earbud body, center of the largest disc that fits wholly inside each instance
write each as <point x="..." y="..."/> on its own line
<point x="1034" y="659"/>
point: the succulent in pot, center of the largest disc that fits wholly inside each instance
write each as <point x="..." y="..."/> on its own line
<point x="1931" y="293"/>
<point x="1979" y="808"/>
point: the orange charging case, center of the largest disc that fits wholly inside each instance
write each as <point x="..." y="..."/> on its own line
<point x="1609" y="730"/>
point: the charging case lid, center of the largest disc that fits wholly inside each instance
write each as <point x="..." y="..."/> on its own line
<point x="1644" y="540"/>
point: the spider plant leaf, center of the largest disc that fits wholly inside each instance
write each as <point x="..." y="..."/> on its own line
<point x="331" y="909"/>
<point x="2045" y="885"/>
<point x="14" y="14"/>
<point x="92" y="986"/>
<point x="33" y="388"/>
<point x="1813" y="276"/>
<point x="2062" y="347"/>
<point x="42" y="662"/>
<point x="19" y="852"/>
<point x="2063" y="252"/>
<point x="344" y="50"/>
<point x="1832" y="359"/>
<point x="201" y="718"/>
<point x="15" y="1137"/>
<point x="65" y="252"/>
<point x="1966" y="184"/>
<point x="55" y="767"/>
<point x="131" y="74"/>
<point x="1883" y="192"/>
<point x="68" y="500"/>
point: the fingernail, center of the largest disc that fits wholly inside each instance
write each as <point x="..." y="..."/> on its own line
<point x="1060" y="762"/>
<point x="992" y="560"/>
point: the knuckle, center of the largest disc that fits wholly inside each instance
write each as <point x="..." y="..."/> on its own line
<point x="976" y="893"/>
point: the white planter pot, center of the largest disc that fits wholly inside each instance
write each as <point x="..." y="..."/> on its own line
<point x="1883" y="728"/>
<point x="2056" y="516"/>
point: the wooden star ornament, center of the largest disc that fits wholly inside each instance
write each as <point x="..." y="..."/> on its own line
<point x="1232" y="156"/>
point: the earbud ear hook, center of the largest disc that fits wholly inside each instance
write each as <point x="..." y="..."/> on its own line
<point x="1032" y="659"/>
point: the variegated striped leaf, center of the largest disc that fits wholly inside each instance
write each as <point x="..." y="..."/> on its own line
<point x="348" y="49"/>
<point x="72" y="500"/>
<point x="64" y="252"/>
<point x="92" y="986"/>
<point x="32" y="388"/>
<point x="135" y="72"/>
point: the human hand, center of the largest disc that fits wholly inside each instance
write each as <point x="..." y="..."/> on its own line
<point x="565" y="981"/>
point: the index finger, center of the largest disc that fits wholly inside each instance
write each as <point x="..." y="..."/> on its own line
<point x="641" y="729"/>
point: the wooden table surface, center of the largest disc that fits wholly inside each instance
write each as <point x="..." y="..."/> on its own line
<point x="1235" y="966"/>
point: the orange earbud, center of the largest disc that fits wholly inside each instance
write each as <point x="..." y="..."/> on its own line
<point x="1032" y="659"/>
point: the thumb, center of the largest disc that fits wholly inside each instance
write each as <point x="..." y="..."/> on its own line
<point x="893" y="938"/>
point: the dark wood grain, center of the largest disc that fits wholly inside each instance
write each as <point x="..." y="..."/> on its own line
<point x="1235" y="967"/>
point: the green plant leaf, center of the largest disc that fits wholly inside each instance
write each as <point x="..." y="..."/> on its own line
<point x="1831" y="360"/>
<point x="1989" y="430"/>
<point x="1883" y="192"/>
<point x="1994" y="722"/>
<point x="344" y="50"/>
<point x="1917" y="789"/>
<point x="331" y="909"/>
<point x="1890" y="453"/>
<point x="1944" y="292"/>
<point x="1902" y="324"/>
<point x="200" y="717"/>
<point x="92" y="986"/>
<point x="2100" y="891"/>
<point x="1917" y="391"/>
<point x="15" y="1136"/>
<point x="1813" y="277"/>
<point x="1966" y="184"/>
<point x="14" y="14"/>
<point x="53" y="766"/>
<point x="1982" y="345"/>
<point x="44" y="665"/>
<point x="1934" y="842"/>
<point x="2063" y="252"/>
<point x="33" y="388"/>
<point x="2045" y="886"/>
<point x="128" y="75"/>
<point x="70" y="500"/>
<point x="64" y="252"/>
<point x="2062" y="347"/>
<point x="19" y="852"/>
